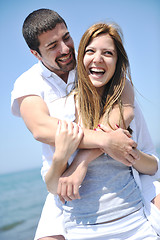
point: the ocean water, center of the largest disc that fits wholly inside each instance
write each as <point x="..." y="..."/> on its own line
<point x="22" y="196"/>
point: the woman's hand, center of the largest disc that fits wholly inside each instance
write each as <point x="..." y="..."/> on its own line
<point x="72" y="178"/>
<point x="67" y="139"/>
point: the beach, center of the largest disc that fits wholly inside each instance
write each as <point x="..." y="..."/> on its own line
<point x="22" y="195"/>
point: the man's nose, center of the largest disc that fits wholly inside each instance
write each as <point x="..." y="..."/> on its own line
<point x="64" y="49"/>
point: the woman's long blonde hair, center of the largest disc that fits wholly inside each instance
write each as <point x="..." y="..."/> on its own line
<point x="92" y="106"/>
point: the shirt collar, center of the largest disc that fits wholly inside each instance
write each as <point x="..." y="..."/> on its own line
<point x="49" y="76"/>
<point x="45" y="72"/>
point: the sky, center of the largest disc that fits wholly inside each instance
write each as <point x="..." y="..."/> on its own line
<point x="140" y="23"/>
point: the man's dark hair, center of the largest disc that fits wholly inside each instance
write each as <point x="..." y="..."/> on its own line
<point x="37" y="22"/>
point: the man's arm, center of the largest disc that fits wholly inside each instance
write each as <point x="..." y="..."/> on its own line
<point x="35" y="114"/>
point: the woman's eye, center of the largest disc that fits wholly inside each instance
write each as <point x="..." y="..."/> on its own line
<point x="108" y="53"/>
<point x="89" y="51"/>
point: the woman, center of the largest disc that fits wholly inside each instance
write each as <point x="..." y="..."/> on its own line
<point x="111" y="205"/>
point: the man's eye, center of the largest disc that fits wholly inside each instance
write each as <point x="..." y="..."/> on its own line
<point x="53" y="46"/>
<point x="66" y="38"/>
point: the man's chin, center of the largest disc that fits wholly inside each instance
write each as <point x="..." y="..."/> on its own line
<point x="68" y="67"/>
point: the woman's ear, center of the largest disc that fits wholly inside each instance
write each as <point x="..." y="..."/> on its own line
<point x="36" y="54"/>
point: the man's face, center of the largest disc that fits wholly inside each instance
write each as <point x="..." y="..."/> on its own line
<point x="57" y="50"/>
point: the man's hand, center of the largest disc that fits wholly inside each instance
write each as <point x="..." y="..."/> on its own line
<point x="120" y="146"/>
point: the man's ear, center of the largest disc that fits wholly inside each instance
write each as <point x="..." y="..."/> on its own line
<point x="36" y="54"/>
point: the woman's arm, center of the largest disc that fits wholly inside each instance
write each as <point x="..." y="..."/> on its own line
<point x="74" y="175"/>
<point x="127" y="99"/>
<point x="146" y="164"/>
<point x="35" y="114"/>
<point x="127" y="102"/>
<point x="67" y="138"/>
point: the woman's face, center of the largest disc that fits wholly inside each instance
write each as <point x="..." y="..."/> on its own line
<point x="100" y="61"/>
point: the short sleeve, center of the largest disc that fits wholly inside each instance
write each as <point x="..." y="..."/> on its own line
<point x="143" y="137"/>
<point x="29" y="83"/>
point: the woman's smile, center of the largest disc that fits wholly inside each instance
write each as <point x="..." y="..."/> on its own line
<point x="100" y="60"/>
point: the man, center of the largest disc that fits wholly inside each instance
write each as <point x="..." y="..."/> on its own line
<point x="53" y="77"/>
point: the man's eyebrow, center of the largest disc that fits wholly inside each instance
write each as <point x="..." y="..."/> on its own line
<point x="67" y="33"/>
<point x="51" y="43"/>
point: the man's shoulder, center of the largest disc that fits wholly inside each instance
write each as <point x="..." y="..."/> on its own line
<point x="31" y="73"/>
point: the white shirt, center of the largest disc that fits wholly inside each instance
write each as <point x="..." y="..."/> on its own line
<point x="40" y="81"/>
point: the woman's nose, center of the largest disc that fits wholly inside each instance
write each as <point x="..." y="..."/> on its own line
<point x="98" y="57"/>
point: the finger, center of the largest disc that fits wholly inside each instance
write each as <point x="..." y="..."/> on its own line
<point x="59" y="193"/>
<point x="133" y="144"/>
<point x="75" y="129"/>
<point x="62" y="199"/>
<point x="64" y="125"/>
<point x="135" y="154"/>
<point x="127" y="133"/>
<point x="116" y="126"/>
<point x="77" y="132"/>
<point x="103" y="127"/>
<point x="59" y="189"/>
<point x="126" y="162"/>
<point x="64" y="192"/>
<point x="80" y="131"/>
<point x="131" y="160"/>
<point x="76" y="192"/>
<point x="70" y="192"/>
<point x="70" y="127"/>
<point x="58" y="127"/>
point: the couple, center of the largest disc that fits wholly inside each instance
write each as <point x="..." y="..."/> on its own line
<point x="37" y="91"/>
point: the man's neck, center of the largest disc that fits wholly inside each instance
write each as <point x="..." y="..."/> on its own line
<point x="64" y="77"/>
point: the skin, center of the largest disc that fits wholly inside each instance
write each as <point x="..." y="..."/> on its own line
<point x="57" y="51"/>
<point x="55" y="47"/>
<point x="57" y="54"/>
<point x="100" y="62"/>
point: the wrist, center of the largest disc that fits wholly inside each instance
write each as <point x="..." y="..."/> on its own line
<point x="102" y="140"/>
<point x="59" y="160"/>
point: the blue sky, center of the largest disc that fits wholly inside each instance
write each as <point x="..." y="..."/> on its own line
<point x="140" y="22"/>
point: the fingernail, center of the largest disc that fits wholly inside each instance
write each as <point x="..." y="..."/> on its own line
<point x="99" y="125"/>
<point x="95" y="129"/>
<point x="117" y="126"/>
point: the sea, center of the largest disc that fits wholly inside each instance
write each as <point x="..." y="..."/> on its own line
<point x="22" y="196"/>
